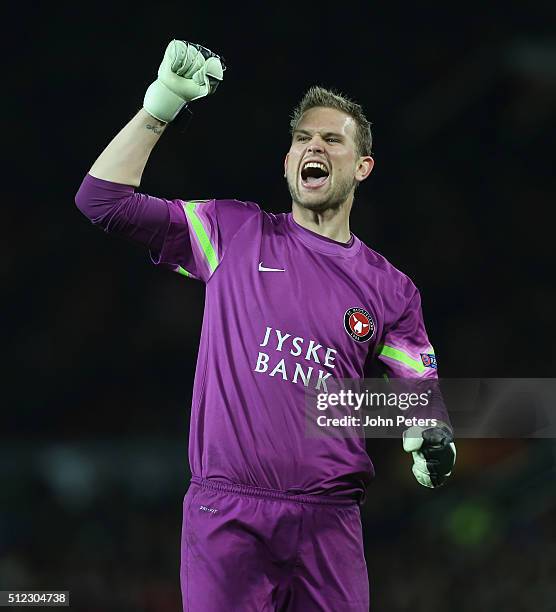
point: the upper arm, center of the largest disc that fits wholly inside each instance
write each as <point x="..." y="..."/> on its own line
<point x="118" y="209"/>
<point x="190" y="237"/>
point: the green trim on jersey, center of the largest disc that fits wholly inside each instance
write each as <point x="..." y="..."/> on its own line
<point x="182" y="271"/>
<point x="397" y="355"/>
<point x="202" y="236"/>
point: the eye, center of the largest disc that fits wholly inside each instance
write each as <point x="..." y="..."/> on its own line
<point x="301" y="138"/>
<point x="332" y="139"/>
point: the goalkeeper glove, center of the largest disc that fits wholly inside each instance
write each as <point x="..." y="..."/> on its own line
<point x="187" y="72"/>
<point x="434" y="453"/>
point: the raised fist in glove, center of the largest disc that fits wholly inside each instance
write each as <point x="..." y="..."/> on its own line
<point x="187" y="72"/>
<point x="434" y="453"/>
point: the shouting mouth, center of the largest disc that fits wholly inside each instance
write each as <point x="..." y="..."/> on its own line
<point x="314" y="174"/>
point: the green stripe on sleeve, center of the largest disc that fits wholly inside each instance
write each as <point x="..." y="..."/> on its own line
<point x="202" y="237"/>
<point x="183" y="271"/>
<point x="397" y="355"/>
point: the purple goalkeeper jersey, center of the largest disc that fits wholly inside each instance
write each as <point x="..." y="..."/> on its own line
<point x="286" y="311"/>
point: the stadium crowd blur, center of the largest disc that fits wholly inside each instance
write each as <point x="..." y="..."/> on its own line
<point x="102" y="345"/>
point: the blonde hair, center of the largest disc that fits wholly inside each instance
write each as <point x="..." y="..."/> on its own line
<point x="328" y="98"/>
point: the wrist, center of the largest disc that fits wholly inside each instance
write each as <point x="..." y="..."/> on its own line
<point x="162" y="103"/>
<point x="154" y="120"/>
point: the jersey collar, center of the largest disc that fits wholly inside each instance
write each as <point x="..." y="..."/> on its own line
<point x="322" y="244"/>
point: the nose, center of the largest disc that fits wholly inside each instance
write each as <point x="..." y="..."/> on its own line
<point x="315" y="146"/>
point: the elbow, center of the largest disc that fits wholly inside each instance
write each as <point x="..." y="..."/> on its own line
<point x="99" y="200"/>
<point x="84" y="200"/>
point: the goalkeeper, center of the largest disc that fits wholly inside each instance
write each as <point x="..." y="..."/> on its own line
<point x="271" y="519"/>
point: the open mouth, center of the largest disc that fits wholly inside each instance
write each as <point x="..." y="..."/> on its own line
<point x="314" y="175"/>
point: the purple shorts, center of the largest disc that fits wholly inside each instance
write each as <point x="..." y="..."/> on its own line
<point x="247" y="549"/>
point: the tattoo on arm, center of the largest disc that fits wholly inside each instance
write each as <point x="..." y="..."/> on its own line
<point x="155" y="128"/>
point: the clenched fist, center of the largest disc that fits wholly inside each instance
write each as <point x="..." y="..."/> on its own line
<point x="188" y="71"/>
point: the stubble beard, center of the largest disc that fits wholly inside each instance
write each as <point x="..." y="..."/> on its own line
<point x="333" y="200"/>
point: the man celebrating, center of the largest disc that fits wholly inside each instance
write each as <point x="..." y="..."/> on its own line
<point x="271" y="519"/>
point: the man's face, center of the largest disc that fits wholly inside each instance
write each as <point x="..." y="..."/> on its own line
<point x="322" y="166"/>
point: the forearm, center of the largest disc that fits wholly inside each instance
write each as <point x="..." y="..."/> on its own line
<point x="124" y="159"/>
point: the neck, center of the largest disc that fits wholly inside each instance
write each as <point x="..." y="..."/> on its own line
<point x="333" y="224"/>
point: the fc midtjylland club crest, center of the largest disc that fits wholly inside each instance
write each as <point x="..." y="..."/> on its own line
<point x="359" y="324"/>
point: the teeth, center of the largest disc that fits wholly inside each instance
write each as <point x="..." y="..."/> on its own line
<point x="315" y="165"/>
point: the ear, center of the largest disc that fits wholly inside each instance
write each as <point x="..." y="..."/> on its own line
<point x="286" y="164"/>
<point x="364" y="168"/>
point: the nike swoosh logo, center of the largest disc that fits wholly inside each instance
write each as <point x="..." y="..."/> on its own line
<point x="263" y="269"/>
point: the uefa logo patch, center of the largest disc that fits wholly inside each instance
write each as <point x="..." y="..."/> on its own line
<point x="429" y="360"/>
<point x="359" y="324"/>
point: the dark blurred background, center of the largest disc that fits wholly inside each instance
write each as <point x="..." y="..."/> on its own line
<point x="101" y="346"/>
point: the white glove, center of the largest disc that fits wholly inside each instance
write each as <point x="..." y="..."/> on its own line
<point x="187" y="72"/>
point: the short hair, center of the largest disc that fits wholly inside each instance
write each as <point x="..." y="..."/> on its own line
<point x="329" y="98"/>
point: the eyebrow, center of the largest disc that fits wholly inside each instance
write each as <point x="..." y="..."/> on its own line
<point x="309" y="133"/>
